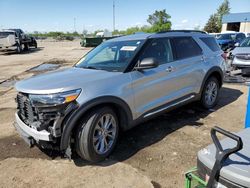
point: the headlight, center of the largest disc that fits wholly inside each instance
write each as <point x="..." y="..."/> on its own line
<point x="54" y="99"/>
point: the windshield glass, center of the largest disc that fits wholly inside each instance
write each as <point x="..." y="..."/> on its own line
<point x="226" y="36"/>
<point x="5" y="34"/>
<point x="245" y="43"/>
<point x="111" y="56"/>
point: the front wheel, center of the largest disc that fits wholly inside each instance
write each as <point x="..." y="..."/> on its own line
<point x="210" y="93"/>
<point x="19" y="48"/>
<point x="97" y="134"/>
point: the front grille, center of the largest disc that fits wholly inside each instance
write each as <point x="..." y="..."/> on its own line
<point x="25" y="110"/>
<point x="243" y="56"/>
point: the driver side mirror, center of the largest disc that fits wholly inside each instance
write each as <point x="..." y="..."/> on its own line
<point x="147" y="63"/>
<point x="237" y="44"/>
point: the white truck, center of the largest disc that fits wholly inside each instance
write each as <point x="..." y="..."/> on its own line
<point x="15" y="39"/>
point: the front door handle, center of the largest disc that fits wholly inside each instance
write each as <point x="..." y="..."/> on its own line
<point x="170" y="69"/>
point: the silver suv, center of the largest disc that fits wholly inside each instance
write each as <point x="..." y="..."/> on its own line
<point x="117" y="85"/>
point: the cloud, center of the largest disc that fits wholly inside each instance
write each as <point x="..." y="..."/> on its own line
<point x="184" y="21"/>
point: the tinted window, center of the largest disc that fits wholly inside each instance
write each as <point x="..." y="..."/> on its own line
<point x="229" y="36"/>
<point x="5" y="34"/>
<point x="240" y="36"/>
<point x="159" y="49"/>
<point x="186" y="47"/>
<point x="211" y="43"/>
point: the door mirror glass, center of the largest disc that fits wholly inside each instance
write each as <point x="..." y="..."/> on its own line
<point x="147" y="63"/>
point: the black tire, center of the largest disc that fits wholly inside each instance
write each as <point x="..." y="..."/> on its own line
<point x="35" y="44"/>
<point x="18" y="48"/>
<point x="26" y="47"/>
<point x="205" y="102"/>
<point x="85" y="133"/>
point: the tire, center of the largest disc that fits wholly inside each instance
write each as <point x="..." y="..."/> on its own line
<point x="18" y="48"/>
<point x="26" y="47"/>
<point x="93" y="142"/>
<point x="210" y="93"/>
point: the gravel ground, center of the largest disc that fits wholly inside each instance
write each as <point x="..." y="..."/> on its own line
<point x="154" y="154"/>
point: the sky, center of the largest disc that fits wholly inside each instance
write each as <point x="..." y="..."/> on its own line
<point x="91" y="15"/>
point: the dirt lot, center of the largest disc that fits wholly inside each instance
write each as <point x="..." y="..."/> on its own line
<point x="154" y="154"/>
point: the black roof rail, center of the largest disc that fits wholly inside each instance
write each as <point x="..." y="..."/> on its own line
<point x="185" y="31"/>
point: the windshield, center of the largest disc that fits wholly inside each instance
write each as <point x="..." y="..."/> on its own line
<point x="5" y="34"/>
<point x="226" y="37"/>
<point x="245" y="43"/>
<point x="111" y="56"/>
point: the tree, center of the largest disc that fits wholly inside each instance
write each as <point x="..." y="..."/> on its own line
<point x="159" y="21"/>
<point x="223" y="9"/>
<point x="212" y="24"/>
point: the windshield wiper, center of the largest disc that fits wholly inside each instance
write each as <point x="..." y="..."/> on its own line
<point x="90" y="67"/>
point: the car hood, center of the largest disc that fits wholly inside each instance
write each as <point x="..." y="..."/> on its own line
<point x="241" y="50"/>
<point x="62" y="80"/>
<point x="223" y="41"/>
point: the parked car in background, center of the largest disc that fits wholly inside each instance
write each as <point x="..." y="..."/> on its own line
<point x="16" y="39"/>
<point x="119" y="84"/>
<point x="228" y="40"/>
<point x="216" y="35"/>
<point x="241" y="56"/>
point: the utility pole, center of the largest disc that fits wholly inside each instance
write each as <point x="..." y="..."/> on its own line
<point x="75" y="24"/>
<point x="113" y="15"/>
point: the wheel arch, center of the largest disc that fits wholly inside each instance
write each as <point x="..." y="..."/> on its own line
<point x="217" y="73"/>
<point x="120" y="107"/>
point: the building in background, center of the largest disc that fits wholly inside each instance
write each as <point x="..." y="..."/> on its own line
<point x="239" y="22"/>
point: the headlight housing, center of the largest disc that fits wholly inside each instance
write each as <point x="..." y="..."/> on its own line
<point x="54" y="99"/>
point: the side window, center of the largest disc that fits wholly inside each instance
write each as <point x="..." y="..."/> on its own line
<point x="186" y="47"/>
<point x="159" y="49"/>
<point x="238" y="37"/>
<point x="211" y="43"/>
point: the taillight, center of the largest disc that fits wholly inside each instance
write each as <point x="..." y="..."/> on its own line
<point x="224" y="55"/>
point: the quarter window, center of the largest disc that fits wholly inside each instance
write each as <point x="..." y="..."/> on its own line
<point x="211" y="43"/>
<point x="186" y="47"/>
<point x="160" y="49"/>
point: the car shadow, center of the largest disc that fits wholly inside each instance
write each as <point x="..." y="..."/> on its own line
<point x="155" y="130"/>
<point x="31" y="50"/>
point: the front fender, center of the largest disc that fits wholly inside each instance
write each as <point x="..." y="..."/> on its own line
<point x="72" y="120"/>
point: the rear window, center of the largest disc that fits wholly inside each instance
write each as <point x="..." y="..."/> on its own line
<point x="186" y="47"/>
<point x="211" y="43"/>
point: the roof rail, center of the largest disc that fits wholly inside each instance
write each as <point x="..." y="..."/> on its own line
<point x="186" y="31"/>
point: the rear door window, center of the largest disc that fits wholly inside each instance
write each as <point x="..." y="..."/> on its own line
<point x="186" y="47"/>
<point x="211" y="43"/>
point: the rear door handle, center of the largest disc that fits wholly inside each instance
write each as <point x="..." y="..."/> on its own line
<point x="170" y="69"/>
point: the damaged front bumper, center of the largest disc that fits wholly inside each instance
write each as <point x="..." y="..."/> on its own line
<point x="46" y="131"/>
<point x="29" y="134"/>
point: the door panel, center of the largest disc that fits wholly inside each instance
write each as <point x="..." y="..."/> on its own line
<point x="170" y="81"/>
<point x="157" y="87"/>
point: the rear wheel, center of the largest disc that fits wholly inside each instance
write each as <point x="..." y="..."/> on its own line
<point x="97" y="134"/>
<point x="210" y="93"/>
